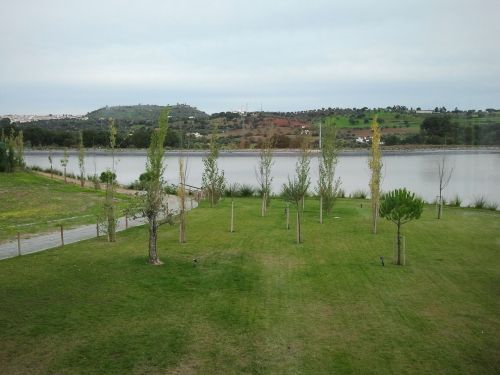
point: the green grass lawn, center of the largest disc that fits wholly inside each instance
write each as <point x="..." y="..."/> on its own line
<point x="257" y="303"/>
<point x="31" y="204"/>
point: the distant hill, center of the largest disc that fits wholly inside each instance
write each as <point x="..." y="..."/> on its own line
<point x="147" y="113"/>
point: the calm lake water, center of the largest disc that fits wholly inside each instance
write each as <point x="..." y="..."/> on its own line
<point x="476" y="173"/>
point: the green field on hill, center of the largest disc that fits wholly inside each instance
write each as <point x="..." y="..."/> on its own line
<point x="256" y="302"/>
<point x="412" y="121"/>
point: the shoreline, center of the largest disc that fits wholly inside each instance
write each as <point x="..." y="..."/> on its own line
<point x="284" y="152"/>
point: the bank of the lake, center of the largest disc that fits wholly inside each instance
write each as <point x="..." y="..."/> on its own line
<point x="390" y="150"/>
<point x="476" y="171"/>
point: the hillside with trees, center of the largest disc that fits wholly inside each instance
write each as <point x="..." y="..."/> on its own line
<point x="145" y="113"/>
<point x="190" y="127"/>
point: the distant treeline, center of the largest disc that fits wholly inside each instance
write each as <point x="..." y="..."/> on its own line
<point x="436" y="129"/>
<point x="39" y="136"/>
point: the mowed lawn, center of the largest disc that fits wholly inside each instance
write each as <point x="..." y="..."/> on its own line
<point x="32" y="204"/>
<point x="257" y="303"/>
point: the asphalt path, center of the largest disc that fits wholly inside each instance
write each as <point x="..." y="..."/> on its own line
<point x="47" y="241"/>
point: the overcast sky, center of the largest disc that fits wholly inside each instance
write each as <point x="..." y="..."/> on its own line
<point x="62" y="56"/>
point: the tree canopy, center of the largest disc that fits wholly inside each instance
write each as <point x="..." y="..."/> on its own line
<point x="401" y="206"/>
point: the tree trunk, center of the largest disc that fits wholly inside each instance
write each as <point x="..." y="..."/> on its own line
<point x="82" y="181"/>
<point x="399" y="244"/>
<point x="182" y="227"/>
<point x="153" y="232"/>
<point x="110" y="213"/>
<point x="298" y="226"/>
<point x="232" y="216"/>
<point x="440" y="205"/>
<point x="65" y="174"/>
<point x="374" y="217"/>
<point x="321" y="209"/>
<point x="303" y="203"/>
<point x="262" y="205"/>
<point x="111" y="227"/>
<point x="265" y="203"/>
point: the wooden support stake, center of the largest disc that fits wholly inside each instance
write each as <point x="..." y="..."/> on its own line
<point x="126" y="221"/>
<point x="287" y="216"/>
<point x="18" y="244"/>
<point x="232" y="217"/>
<point x="97" y="227"/>
<point x="321" y="209"/>
<point x="62" y="236"/>
<point x="298" y="226"/>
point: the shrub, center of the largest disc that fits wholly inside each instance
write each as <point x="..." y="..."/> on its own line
<point x="171" y="189"/>
<point x="232" y="190"/>
<point x="359" y="194"/>
<point x="95" y="180"/>
<point x="106" y="176"/>
<point x="479" y="202"/>
<point x="136" y="185"/>
<point x="141" y="183"/>
<point x="493" y="206"/>
<point x="341" y="193"/>
<point x="246" y="190"/>
<point x="456" y="201"/>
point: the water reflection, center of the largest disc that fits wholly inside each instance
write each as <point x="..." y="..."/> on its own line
<point x="475" y="173"/>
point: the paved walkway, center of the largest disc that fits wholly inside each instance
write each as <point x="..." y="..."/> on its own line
<point x="48" y="241"/>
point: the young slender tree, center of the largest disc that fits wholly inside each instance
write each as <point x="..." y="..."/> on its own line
<point x="295" y="190"/>
<point x="400" y="206"/>
<point x="181" y="194"/>
<point x="232" y="189"/>
<point x="4" y="167"/>
<point x="263" y="173"/>
<point x="95" y="178"/>
<point x="445" y="172"/>
<point x="8" y="160"/>
<point x="109" y="205"/>
<point x="375" y="164"/>
<point x="109" y="178"/>
<point x="12" y="151"/>
<point x="154" y="204"/>
<point x="51" y="167"/>
<point x="213" y="181"/>
<point x="19" y="150"/>
<point x="81" y="159"/>
<point x="327" y="185"/>
<point x="64" y="162"/>
<point x="303" y="168"/>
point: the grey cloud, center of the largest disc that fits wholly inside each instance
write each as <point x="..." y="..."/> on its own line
<point x="290" y="54"/>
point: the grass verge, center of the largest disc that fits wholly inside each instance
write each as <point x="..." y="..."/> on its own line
<point x="33" y="204"/>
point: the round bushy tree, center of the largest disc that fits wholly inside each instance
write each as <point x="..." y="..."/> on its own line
<point x="400" y="206"/>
